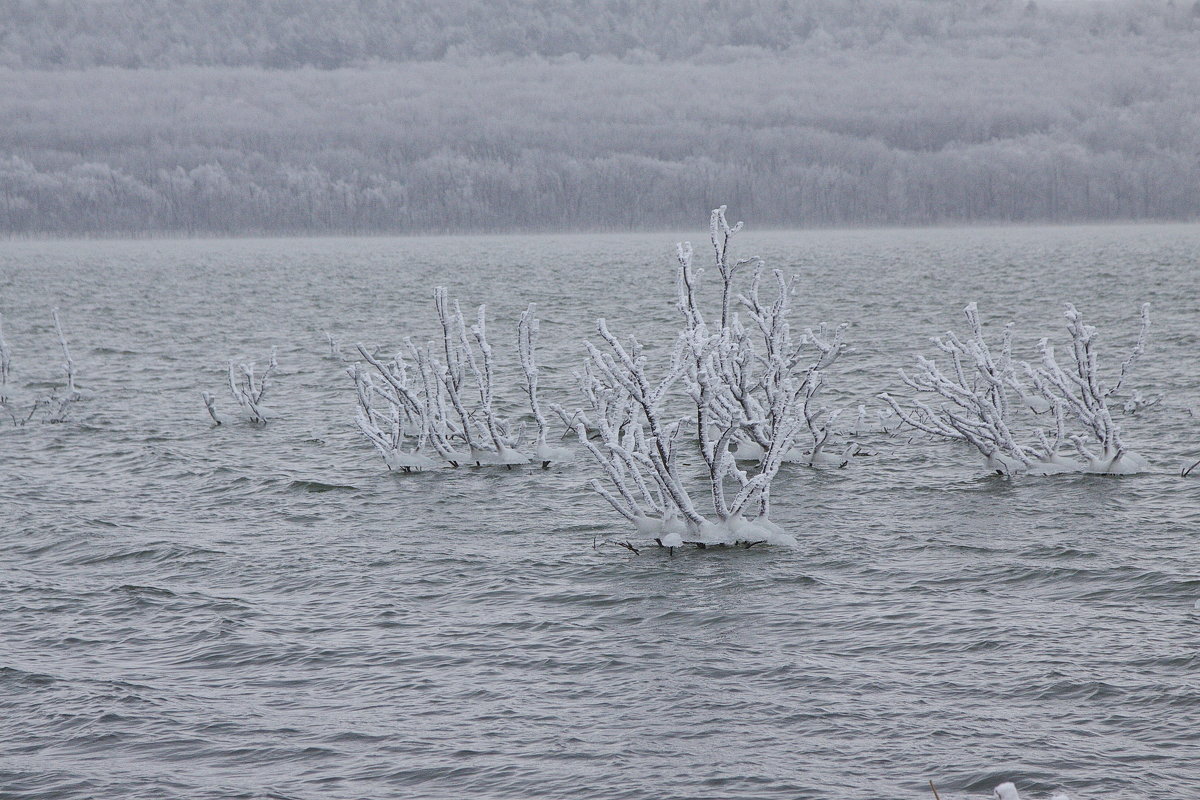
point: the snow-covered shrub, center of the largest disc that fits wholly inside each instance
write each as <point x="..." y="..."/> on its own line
<point x="1081" y="389"/>
<point x="248" y="390"/>
<point x="53" y="407"/>
<point x="995" y="404"/>
<point x="436" y="404"/>
<point x="730" y="392"/>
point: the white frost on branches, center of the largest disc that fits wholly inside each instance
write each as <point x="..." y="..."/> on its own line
<point x="248" y="389"/>
<point x="728" y="387"/>
<point x="527" y="333"/>
<point x="55" y="406"/>
<point x="436" y="404"/>
<point x="990" y="404"/>
<point x="5" y="364"/>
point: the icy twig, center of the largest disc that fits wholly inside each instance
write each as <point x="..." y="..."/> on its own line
<point x="210" y="404"/>
<point x="335" y="349"/>
<point x="249" y="390"/>
<point x="68" y="362"/>
<point x="5" y="364"/>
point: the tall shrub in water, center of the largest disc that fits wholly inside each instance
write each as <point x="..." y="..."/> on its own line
<point x="985" y="399"/>
<point x="730" y="383"/>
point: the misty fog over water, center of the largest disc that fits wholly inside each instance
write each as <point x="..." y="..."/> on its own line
<point x="214" y="118"/>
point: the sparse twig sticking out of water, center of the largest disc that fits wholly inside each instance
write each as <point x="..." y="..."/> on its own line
<point x="335" y="349"/>
<point x="210" y="404"/>
<point x="5" y="364"/>
<point x="60" y="404"/>
<point x="68" y="362"/>
<point x="249" y="390"/>
<point x="933" y="789"/>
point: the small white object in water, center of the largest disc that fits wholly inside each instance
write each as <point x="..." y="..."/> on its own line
<point x="1008" y="791"/>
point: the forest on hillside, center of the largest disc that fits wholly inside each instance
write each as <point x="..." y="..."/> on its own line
<point x="285" y="34"/>
<point x="214" y="116"/>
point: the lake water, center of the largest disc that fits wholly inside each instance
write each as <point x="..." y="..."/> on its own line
<point x="190" y="611"/>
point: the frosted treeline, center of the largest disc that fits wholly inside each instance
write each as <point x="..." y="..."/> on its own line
<point x="167" y="33"/>
<point x="867" y="113"/>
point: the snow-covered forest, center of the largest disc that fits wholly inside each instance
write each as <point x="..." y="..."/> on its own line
<point x="227" y="117"/>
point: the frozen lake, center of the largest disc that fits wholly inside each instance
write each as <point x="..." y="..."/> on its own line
<point x="241" y="612"/>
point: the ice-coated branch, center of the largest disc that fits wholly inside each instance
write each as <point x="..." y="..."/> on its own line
<point x="5" y="364"/>
<point x="527" y="331"/>
<point x="457" y="351"/>
<point x="721" y="234"/>
<point x="210" y="405"/>
<point x="249" y="390"/>
<point x="58" y="405"/>
<point x="527" y="334"/>
<point x="68" y="362"/>
<point x="502" y="440"/>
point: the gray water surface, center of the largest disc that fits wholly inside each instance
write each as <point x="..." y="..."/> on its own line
<point x="189" y="611"/>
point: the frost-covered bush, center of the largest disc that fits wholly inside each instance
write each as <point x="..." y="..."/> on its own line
<point x="436" y="404"/>
<point x="987" y="400"/>
<point x="53" y="407"/>
<point x="732" y="391"/>
<point x="248" y="390"/>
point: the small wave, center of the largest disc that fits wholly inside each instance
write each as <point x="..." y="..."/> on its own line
<point x="318" y="486"/>
<point x="154" y="552"/>
<point x="10" y="676"/>
<point x="145" y="591"/>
